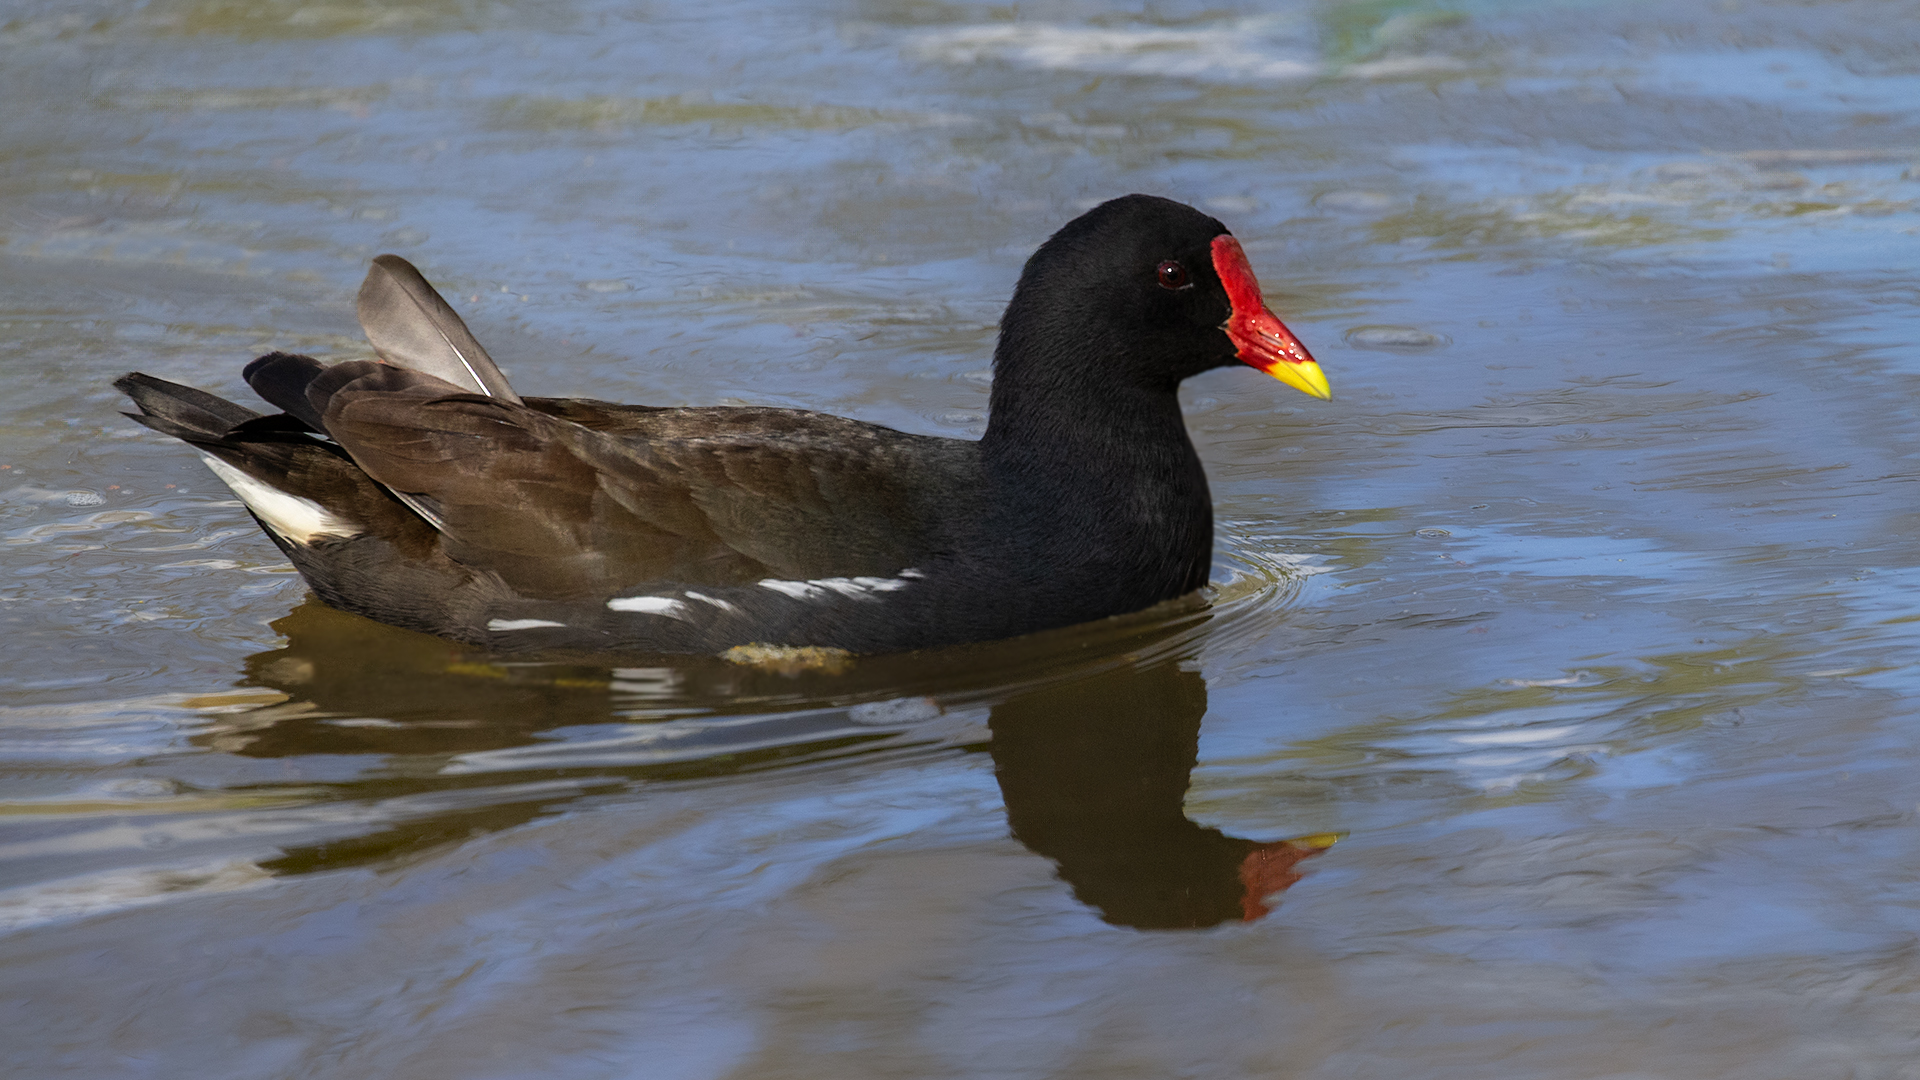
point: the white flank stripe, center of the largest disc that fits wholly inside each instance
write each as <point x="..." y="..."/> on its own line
<point x="649" y="605"/>
<point x="799" y="590"/>
<point x="857" y="588"/>
<point x="292" y="517"/>
<point x="520" y="624"/>
<point x="705" y="599"/>
<point x="844" y="586"/>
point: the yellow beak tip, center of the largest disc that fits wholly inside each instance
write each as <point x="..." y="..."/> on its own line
<point x="1305" y="377"/>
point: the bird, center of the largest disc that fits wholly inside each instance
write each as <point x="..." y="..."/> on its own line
<point x="420" y="490"/>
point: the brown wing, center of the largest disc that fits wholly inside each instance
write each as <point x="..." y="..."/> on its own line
<point x="580" y="499"/>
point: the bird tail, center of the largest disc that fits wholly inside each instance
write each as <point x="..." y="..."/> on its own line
<point x="193" y="416"/>
<point x="301" y="487"/>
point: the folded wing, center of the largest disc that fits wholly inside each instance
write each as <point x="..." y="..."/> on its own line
<point x="561" y="510"/>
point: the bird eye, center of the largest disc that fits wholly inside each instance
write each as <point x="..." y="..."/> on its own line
<point x="1171" y="275"/>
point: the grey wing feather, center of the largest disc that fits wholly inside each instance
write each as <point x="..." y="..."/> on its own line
<point x="411" y="326"/>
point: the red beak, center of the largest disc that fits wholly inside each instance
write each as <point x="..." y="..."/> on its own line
<point x="1261" y="339"/>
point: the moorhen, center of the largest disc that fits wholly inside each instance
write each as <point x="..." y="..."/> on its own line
<point x="421" y="491"/>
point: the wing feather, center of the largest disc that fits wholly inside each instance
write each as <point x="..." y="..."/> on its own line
<point x="412" y="326"/>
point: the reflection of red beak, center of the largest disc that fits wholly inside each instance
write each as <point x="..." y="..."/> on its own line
<point x="1261" y="339"/>
<point x="1268" y="869"/>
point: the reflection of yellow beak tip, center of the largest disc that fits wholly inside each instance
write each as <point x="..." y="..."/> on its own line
<point x="1304" y="376"/>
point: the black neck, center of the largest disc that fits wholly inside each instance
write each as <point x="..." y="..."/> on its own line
<point x="1099" y="472"/>
<point x="1076" y="393"/>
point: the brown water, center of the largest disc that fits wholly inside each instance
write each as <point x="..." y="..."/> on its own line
<point x="1584" y="616"/>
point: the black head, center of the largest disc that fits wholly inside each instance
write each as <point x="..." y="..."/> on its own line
<point x="1140" y="293"/>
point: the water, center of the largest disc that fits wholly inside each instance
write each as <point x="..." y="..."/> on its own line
<point x="1583" y="618"/>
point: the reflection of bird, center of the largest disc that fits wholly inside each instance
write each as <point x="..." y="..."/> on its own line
<point x="1093" y="767"/>
<point x="425" y="493"/>
<point x="1095" y="775"/>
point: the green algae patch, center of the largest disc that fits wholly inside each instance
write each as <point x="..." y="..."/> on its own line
<point x="605" y="113"/>
<point x="789" y="659"/>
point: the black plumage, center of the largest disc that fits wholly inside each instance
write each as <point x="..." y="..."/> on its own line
<point x="419" y="490"/>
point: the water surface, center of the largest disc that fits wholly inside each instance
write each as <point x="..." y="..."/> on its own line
<point x="1583" y="617"/>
